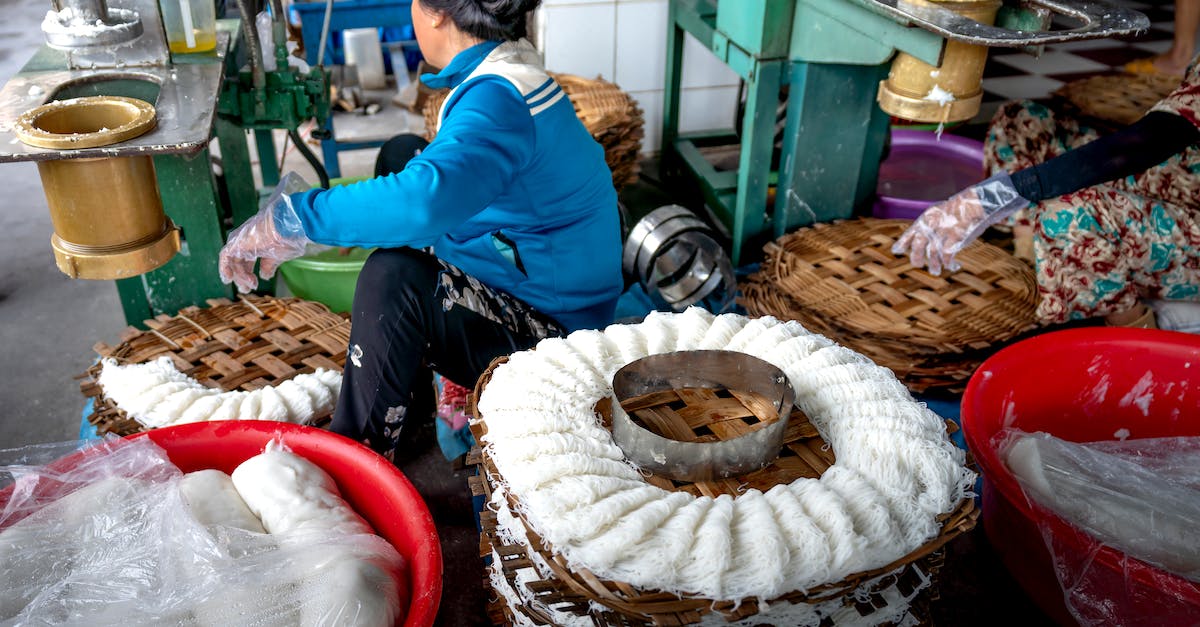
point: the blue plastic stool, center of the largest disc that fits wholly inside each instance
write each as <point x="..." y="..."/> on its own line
<point x="87" y="431"/>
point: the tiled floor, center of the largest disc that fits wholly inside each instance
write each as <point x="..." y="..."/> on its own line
<point x="1013" y="75"/>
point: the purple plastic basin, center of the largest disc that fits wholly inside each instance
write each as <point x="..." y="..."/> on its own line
<point x="921" y="170"/>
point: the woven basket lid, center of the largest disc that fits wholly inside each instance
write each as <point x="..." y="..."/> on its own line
<point x="846" y="272"/>
<point x="1120" y="98"/>
<point x="244" y="345"/>
<point x="918" y="367"/>
<point x="841" y="280"/>
<point x="611" y="116"/>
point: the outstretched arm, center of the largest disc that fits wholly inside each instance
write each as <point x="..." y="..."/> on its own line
<point x="1134" y="149"/>
<point x="478" y="150"/>
<point x="944" y="229"/>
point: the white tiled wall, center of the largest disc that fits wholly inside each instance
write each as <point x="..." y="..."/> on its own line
<point x="625" y="41"/>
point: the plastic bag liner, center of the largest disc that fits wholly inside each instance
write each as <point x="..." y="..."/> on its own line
<point x="1139" y="497"/>
<point x="103" y="537"/>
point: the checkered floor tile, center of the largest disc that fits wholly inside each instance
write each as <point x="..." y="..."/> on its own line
<point x="1012" y="74"/>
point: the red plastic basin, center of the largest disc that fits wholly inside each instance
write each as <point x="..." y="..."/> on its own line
<point x="1079" y="385"/>
<point x="375" y="488"/>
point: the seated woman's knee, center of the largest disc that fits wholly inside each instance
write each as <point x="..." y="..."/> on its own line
<point x="400" y="269"/>
<point x="396" y="152"/>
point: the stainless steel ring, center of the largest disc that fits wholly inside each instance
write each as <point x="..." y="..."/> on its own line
<point x="701" y="461"/>
<point x="633" y="243"/>
<point x="657" y="239"/>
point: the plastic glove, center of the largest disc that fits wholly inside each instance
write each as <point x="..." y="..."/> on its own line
<point x="947" y="227"/>
<point x="273" y="235"/>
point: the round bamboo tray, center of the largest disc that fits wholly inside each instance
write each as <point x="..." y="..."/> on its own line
<point x="244" y="345"/>
<point x="611" y="116"/>
<point x="692" y="415"/>
<point x="1119" y="98"/>
<point x="842" y="280"/>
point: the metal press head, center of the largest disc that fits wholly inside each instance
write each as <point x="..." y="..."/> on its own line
<point x="951" y="92"/>
<point x="107" y="212"/>
<point x="72" y="24"/>
<point x="710" y="370"/>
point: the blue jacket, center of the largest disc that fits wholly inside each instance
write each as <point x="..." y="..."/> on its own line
<point x="513" y="191"/>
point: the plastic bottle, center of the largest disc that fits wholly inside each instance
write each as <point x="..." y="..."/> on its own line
<point x="266" y="40"/>
<point x="362" y="49"/>
<point x="191" y="25"/>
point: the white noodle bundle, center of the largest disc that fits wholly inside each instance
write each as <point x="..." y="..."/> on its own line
<point x="896" y="470"/>
<point x="156" y="394"/>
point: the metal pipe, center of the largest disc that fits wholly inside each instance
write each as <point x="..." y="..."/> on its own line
<point x="87" y="11"/>
<point x="257" y="74"/>
<point x="324" y="32"/>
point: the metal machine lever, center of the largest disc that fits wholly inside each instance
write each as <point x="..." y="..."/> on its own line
<point x="1099" y="20"/>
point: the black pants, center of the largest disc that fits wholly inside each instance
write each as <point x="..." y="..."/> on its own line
<point x="413" y="314"/>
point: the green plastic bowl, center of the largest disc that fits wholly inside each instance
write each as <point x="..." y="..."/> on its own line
<point x="327" y="277"/>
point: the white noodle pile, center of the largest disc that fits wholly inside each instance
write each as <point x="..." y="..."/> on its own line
<point x="896" y="469"/>
<point x="890" y="606"/>
<point x="156" y="394"/>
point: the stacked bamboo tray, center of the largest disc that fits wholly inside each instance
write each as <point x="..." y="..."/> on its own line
<point x="1119" y="98"/>
<point x="842" y="280"/>
<point x="688" y="415"/>
<point x="244" y="345"/>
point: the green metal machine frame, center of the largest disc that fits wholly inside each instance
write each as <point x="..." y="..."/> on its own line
<point x="832" y="54"/>
<point x="188" y="186"/>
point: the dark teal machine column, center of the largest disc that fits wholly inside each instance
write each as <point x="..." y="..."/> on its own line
<point x="833" y="142"/>
<point x="752" y="39"/>
<point x="832" y="55"/>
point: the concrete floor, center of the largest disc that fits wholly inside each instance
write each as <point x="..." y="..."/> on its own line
<point x="48" y="324"/>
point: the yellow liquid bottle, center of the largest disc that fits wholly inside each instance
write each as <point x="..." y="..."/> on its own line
<point x="190" y="25"/>
<point x="203" y="42"/>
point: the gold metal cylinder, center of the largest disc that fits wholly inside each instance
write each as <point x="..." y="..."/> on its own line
<point x="107" y="213"/>
<point x="915" y="90"/>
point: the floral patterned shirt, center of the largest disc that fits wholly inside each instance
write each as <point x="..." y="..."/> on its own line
<point x="1185" y="100"/>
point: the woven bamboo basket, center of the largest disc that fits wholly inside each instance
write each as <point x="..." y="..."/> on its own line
<point x="694" y="415"/>
<point x="244" y="345"/>
<point x="1119" y="98"/>
<point x="843" y="281"/>
<point x="609" y="114"/>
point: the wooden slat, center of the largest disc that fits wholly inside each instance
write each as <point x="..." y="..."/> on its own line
<point x="275" y="366"/>
<point x="284" y="341"/>
<point x="665" y="422"/>
<point x="224" y="364"/>
<point x="713" y="410"/>
<point x="757" y="404"/>
<point x="805" y="454"/>
<point x="652" y="399"/>
<point x="230" y="338"/>
<point x="322" y="361"/>
<point x="730" y="429"/>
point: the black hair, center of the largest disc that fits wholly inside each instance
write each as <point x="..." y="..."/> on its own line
<point x="486" y="19"/>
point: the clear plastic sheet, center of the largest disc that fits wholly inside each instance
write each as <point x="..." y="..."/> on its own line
<point x="1139" y="497"/>
<point x="103" y="537"/>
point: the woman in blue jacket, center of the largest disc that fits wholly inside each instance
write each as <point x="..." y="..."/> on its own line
<point x="501" y="232"/>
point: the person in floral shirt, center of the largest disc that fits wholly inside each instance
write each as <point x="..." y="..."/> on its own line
<point x="1115" y="219"/>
